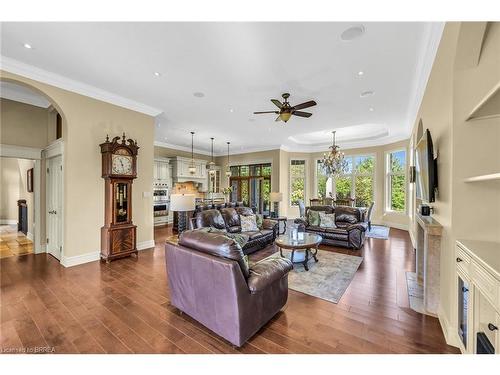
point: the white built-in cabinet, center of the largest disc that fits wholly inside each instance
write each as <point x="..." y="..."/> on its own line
<point x="161" y="171"/>
<point x="478" y="293"/>
<point x="181" y="168"/>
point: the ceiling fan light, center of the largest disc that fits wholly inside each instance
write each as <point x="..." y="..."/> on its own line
<point x="285" y="116"/>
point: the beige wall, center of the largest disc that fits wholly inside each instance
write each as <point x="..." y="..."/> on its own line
<point x="13" y="180"/>
<point x="460" y="78"/>
<point x="86" y="122"/>
<point x="25" y="125"/>
<point x="9" y="181"/>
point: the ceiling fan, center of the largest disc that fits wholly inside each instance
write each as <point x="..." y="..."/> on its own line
<point x="286" y="110"/>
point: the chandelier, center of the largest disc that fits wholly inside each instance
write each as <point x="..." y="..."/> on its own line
<point x="211" y="165"/>
<point x="334" y="163"/>
<point x="228" y="169"/>
<point x="192" y="166"/>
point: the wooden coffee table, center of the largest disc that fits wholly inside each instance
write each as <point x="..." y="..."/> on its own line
<point x="308" y="244"/>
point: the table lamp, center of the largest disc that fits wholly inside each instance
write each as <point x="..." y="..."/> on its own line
<point x="276" y="197"/>
<point x="182" y="203"/>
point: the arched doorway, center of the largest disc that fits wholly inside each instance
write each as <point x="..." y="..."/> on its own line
<point x="33" y="131"/>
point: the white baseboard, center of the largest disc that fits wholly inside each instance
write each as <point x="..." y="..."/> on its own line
<point x="395" y="225"/>
<point x="80" y="259"/>
<point x="30" y="236"/>
<point x="450" y="335"/>
<point x="145" y="245"/>
<point x="8" y="221"/>
<point x="412" y="239"/>
<point x="92" y="257"/>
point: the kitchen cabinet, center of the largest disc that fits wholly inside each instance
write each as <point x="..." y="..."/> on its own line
<point x="161" y="172"/>
<point x="181" y="168"/>
<point x="478" y="292"/>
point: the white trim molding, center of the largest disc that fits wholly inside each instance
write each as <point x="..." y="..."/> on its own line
<point x="144" y="245"/>
<point x="8" y="221"/>
<point x="29" y="71"/>
<point x="450" y="336"/>
<point x="56" y="148"/>
<point x="80" y="259"/>
<point x="20" y="152"/>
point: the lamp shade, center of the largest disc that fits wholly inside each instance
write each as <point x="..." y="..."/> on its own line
<point x="182" y="202"/>
<point x="276" y="197"/>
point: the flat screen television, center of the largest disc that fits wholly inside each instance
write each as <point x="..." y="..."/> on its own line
<point x="426" y="169"/>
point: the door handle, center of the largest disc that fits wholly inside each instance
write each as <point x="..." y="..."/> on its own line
<point x="459" y="260"/>
<point x="53" y="212"/>
<point x="492" y="327"/>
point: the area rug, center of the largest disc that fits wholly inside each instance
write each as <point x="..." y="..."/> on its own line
<point x="328" y="279"/>
<point x="378" y="231"/>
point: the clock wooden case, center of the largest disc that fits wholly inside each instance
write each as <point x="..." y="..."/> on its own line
<point x="119" y="169"/>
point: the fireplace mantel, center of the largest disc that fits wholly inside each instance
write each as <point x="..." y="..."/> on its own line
<point x="424" y="293"/>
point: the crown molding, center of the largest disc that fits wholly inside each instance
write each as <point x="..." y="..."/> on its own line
<point x="29" y="71"/>
<point x="423" y="70"/>
<point x="182" y="148"/>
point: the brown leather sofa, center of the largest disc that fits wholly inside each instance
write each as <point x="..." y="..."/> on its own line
<point x="228" y="219"/>
<point x="210" y="281"/>
<point x="350" y="223"/>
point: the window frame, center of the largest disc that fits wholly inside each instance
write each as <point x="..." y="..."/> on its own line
<point x="388" y="179"/>
<point x="353" y="175"/>
<point x="290" y="181"/>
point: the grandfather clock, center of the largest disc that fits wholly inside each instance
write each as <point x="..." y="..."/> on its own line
<point x="119" y="169"/>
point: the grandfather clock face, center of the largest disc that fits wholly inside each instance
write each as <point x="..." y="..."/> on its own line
<point x="121" y="164"/>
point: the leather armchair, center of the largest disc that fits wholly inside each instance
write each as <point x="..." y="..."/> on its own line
<point x="210" y="281"/>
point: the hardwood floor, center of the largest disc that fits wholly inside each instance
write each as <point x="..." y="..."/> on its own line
<point x="14" y="243"/>
<point x="123" y="307"/>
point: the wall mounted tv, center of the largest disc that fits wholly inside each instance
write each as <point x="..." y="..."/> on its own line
<point x="426" y="169"/>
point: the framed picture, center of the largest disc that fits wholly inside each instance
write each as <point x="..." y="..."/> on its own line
<point x="29" y="180"/>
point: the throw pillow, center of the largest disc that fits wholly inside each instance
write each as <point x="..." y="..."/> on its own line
<point x="348" y="218"/>
<point x="248" y="223"/>
<point x="260" y="220"/>
<point x="327" y="220"/>
<point x="313" y="217"/>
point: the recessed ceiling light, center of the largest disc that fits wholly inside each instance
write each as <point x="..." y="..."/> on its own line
<point x="27" y="45"/>
<point x="199" y="94"/>
<point x="231" y="110"/>
<point x="364" y="94"/>
<point x="371" y="109"/>
<point x="157" y="74"/>
<point x="360" y="73"/>
<point x="353" y="33"/>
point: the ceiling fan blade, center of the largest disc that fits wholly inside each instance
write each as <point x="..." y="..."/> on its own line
<point x="258" y="113"/>
<point x="278" y="119"/>
<point x="308" y="104"/>
<point x="302" y="114"/>
<point x="277" y="103"/>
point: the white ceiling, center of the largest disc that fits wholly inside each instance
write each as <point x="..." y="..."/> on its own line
<point x="239" y="67"/>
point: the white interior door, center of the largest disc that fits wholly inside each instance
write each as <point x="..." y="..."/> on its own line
<point x="54" y="206"/>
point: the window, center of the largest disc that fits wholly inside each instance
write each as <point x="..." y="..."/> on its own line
<point x="297" y="181"/>
<point x="252" y="185"/>
<point x="358" y="180"/>
<point x="396" y="181"/>
<point x="321" y="180"/>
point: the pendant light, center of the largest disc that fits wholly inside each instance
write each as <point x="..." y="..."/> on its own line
<point x="334" y="162"/>
<point x="211" y="165"/>
<point x="192" y="167"/>
<point x="228" y="169"/>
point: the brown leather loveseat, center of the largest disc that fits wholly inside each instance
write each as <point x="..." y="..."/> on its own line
<point x="228" y="219"/>
<point x="350" y="226"/>
<point x="210" y="281"/>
